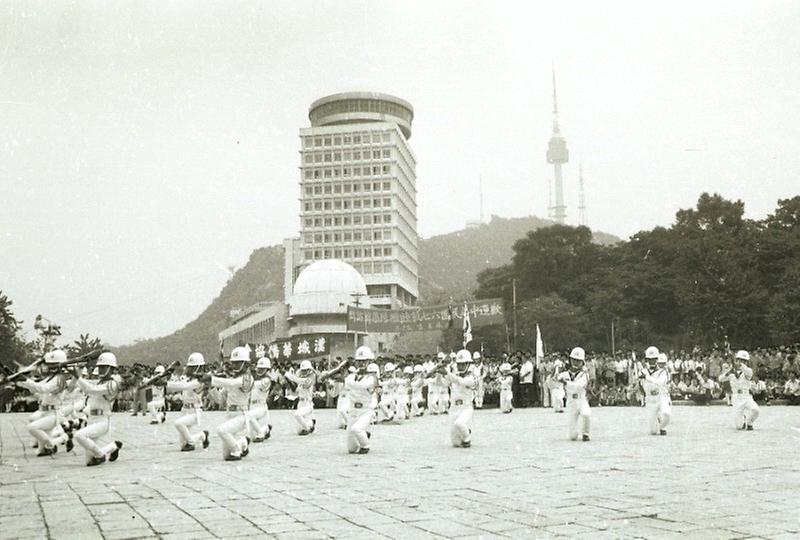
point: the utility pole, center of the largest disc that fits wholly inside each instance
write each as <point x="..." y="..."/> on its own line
<point x="514" y="308"/>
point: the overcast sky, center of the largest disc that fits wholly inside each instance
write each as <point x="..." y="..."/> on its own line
<point x="145" y="144"/>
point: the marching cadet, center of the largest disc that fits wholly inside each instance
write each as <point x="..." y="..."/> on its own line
<point x="260" y="426"/>
<point x="576" y="379"/>
<point x="479" y="369"/>
<point x="306" y="379"/>
<point x="361" y="387"/>
<point x="505" y="378"/>
<point x="655" y="383"/>
<point x="388" y="400"/>
<point x="233" y="431"/>
<point x="432" y="381"/>
<point x="102" y="394"/>
<point x="46" y="426"/>
<point x="417" y="383"/>
<point x="401" y="392"/>
<point x="556" y="386"/>
<point x="462" y="384"/>
<point x="157" y="405"/>
<point x="745" y="409"/>
<point x="192" y="390"/>
<point x="343" y="403"/>
<point x="77" y="399"/>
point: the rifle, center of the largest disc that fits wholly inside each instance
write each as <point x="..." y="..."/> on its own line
<point x="27" y="369"/>
<point x="168" y="371"/>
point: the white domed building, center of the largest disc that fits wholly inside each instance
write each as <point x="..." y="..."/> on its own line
<point x="321" y="294"/>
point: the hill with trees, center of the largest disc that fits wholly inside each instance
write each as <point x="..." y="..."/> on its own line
<point x="449" y="265"/>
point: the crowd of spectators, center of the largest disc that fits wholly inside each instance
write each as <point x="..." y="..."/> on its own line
<point x="613" y="380"/>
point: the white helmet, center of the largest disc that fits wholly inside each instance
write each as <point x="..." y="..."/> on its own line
<point x="452" y="355"/>
<point x="352" y="369"/>
<point x="505" y="366"/>
<point x="651" y="353"/>
<point x="263" y="363"/>
<point x="364" y="353"/>
<point x="306" y="364"/>
<point x="240" y="354"/>
<point x="195" y="359"/>
<point x="55" y="357"/>
<point x="440" y="356"/>
<point x="107" y="359"/>
<point x="743" y="355"/>
<point x="159" y="369"/>
<point x="578" y="354"/>
<point x="96" y="372"/>
<point x="408" y="370"/>
<point x="373" y="368"/>
<point x="463" y="356"/>
<point x="418" y="369"/>
<point x="662" y="358"/>
<point x="476" y="355"/>
<point x="388" y="367"/>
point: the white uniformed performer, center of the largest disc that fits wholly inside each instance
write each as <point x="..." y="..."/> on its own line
<point x="46" y="426"/>
<point x="655" y="383"/>
<point x="745" y="409"/>
<point x="432" y="381"/>
<point x="102" y="394"/>
<point x="361" y="387"/>
<point x="505" y="379"/>
<point x="157" y="405"/>
<point x="444" y="387"/>
<point x="417" y="382"/>
<point x="479" y="369"/>
<point x="260" y="425"/>
<point x="192" y="390"/>
<point x="576" y="380"/>
<point x="77" y="399"/>
<point x="387" y="407"/>
<point x="343" y="403"/>
<point x="403" y="384"/>
<point x="462" y="385"/>
<point x="306" y="379"/>
<point x="233" y="431"/>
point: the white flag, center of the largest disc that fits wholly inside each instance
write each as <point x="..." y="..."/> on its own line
<point x="467" y="326"/>
<point x="539" y="346"/>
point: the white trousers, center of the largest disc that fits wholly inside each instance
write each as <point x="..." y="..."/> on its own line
<point x="87" y="436"/>
<point x="189" y="417"/>
<point x="433" y="401"/>
<point x="416" y="406"/>
<point x="342" y="408"/>
<point x="303" y="415"/>
<point x="155" y="407"/>
<point x="479" y="393"/>
<point x="506" y="397"/>
<point x="388" y="407"/>
<point x="358" y="423"/>
<point x="232" y="432"/>
<point x="47" y="430"/>
<point x="557" y="398"/>
<point x="578" y="412"/>
<point x="444" y="401"/>
<point x="659" y="413"/>
<point x="745" y="410"/>
<point x="401" y="404"/>
<point x="259" y="421"/>
<point x="460" y="424"/>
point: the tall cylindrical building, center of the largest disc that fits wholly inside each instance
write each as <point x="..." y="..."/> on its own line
<point x="358" y="193"/>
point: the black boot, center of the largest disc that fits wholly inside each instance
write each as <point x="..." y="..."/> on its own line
<point x="205" y="439"/>
<point x="115" y="454"/>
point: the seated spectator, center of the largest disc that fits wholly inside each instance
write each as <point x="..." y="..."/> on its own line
<point x="791" y="390"/>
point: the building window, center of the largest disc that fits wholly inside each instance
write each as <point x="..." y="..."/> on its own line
<point x="356" y="139"/>
<point x="346" y="204"/>
<point x="357" y="236"/>
<point x="309" y="255"/>
<point x="356" y="219"/>
<point x="387" y="252"/>
<point x="356" y="187"/>
<point x="376" y="170"/>
<point x="376" y="154"/>
<point x="385" y="169"/>
<point x="376" y="235"/>
<point x="327" y="206"/>
<point x="348" y="237"/>
<point x="357" y="253"/>
<point x="376" y="203"/>
<point x="317" y="222"/>
<point x="385" y="136"/>
<point x="326" y="237"/>
<point x="309" y="158"/>
<point x="346" y="171"/>
<point x="348" y="156"/>
<point x="316" y="174"/>
<point x="336" y="173"/>
<point x="376" y="137"/>
<point x="367" y="203"/>
<point x="327" y="141"/>
<point x="337" y="253"/>
<point x="327" y="173"/>
<point x="326" y="253"/>
<point x="337" y="141"/>
<point x="367" y="252"/>
<point x="327" y="158"/>
<point x="347" y="139"/>
<point x="337" y="156"/>
<point x="308" y="238"/>
<point x="327" y="224"/>
<point x="308" y="207"/>
<point x="309" y="190"/>
<point x="346" y="253"/>
<point x="387" y="186"/>
<point x="317" y="158"/>
<point x="308" y="222"/>
<point x="377" y="219"/>
<point x="367" y="186"/>
<point x="318" y="238"/>
<point x="387" y="202"/>
<point x="317" y="254"/>
<point x="337" y="188"/>
<point x="346" y="220"/>
<point x="357" y="203"/>
<point x="337" y="204"/>
<point x="318" y="141"/>
<point x="368" y="220"/>
<point x="337" y="221"/>
<point x="357" y="171"/>
<point x="356" y="156"/>
<point x="387" y="153"/>
<point x="317" y="190"/>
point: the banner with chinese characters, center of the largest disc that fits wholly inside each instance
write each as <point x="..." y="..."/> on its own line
<point x="481" y="313"/>
<point x="298" y="348"/>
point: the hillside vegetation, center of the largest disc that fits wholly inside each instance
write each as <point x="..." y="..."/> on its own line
<point x="449" y="265"/>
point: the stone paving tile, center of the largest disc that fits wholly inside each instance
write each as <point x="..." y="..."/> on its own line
<point x="521" y="479"/>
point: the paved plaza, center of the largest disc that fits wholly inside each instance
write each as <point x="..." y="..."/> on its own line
<point x="522" y="478"/>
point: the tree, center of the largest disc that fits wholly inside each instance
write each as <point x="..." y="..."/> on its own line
<point x="12" y="348"/>
<point x="84" y="345"/>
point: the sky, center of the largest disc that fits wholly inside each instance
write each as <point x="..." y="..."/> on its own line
<point x="147" y="145"/>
